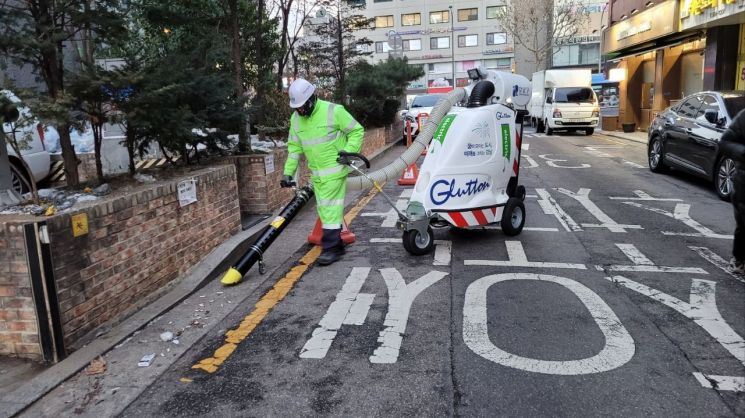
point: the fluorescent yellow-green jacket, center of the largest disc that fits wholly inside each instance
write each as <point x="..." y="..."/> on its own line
<point x="328" y="130"/>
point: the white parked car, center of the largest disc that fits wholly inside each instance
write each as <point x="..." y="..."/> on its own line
<point x="419" y="111"/>
<point x="34" y="153"/>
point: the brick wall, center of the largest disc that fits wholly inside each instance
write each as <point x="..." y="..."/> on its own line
<point x="135" y="247"/>
<point x="18" y="326"/>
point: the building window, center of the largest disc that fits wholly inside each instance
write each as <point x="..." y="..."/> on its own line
<point x="442" y="42"/>
<point x="468" y="40"/>
<point x="498" y="63"/>
<point x="384" y="21"/>
<point x="412" y="45"/>
<point x="442" y="16"/>
<point x="382" y="47"/>
<point x="496" y="38"/>
<point x="468" y="14"/>
<point x="492" y="12"/>
<point x="411" y="19"/>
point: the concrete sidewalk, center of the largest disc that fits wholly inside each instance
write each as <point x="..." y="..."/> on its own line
<point x="636" y="136"/>
<point x="195" y="305"/>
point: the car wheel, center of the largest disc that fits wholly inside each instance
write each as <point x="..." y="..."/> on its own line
<point x="20" y="182"/>
<point x="541" y="128"/>
<point x="589" y="131"/>
<point x="656" y="156"/>
<point x="549" y="131"/>
<point x="723" y="177"/>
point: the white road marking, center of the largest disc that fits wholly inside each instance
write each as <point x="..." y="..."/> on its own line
<point x="525" y="146"/>
<point x="724" y="383"/>
<point x="702" y="310"/>
<point x="443" y="253"/>
<point x="533" y="163"/>
<point x="406" y="194"/>
<point x="641" y="195"/>
<point x="681" y="213"/>
<point x="644" y="264"/>
<point x="531" y="196"/>
<point x="400" y="298"/>
<point x="385" y="240"/>
<point x="619" y="346"/>
<point x="595" y="152"/>
<point x="553" y="162"/>
<point x="517" y="258"/>
<point x="391" y="217"/>
<point x="716" y="260"/>
<point x="633" y="164"/>
<point x="320" y="342"/>
<point x="583" y="197"/>
<point x="359" y="309"/>
<point x="551" y="207"/>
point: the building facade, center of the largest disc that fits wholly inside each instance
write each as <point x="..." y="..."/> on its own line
<point x="663" y="51"/>
<point x="446" y="38"/>
<point x="583" y="49"/>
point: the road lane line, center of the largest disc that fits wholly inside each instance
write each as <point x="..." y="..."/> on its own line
<point x="633" y="164"/>
<point x="725" y="383"/>
<point x="644" y="264"/>
<point x="643" y="196"/>
<point x="716" y="260"/>
<point x="635" y="255"/>
<point x="681" y="213"/>
<point x="270" y="299"/>
<point x="517" y="258"/>
<point x="551" y="207"/>
<point x="583" y="197"/>
<point x="619" y="347"/>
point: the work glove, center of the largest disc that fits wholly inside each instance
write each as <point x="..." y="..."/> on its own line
<point x="344" y="160"/>
<point x="286" y="181"/>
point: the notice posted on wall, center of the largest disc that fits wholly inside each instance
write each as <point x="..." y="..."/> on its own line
<point x="187" y="192"/>
<point x="269" y="164"/>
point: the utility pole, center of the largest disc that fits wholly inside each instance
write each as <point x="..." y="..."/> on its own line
<point x="452" y="43"/>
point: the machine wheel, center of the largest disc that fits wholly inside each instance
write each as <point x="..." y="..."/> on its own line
<point x="549" y="131"/>
<point x="520" y="192"/>
<point x="723" y="177"/>
<point x="656" y="156"/>
<point x="418" y="244"/>
<point x="513" y="217"/>
<point x="589" y="131"/>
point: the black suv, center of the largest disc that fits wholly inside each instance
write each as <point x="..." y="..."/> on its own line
<point x="686" y="136"/>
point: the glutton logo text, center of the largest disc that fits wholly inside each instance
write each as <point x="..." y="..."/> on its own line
<point x="444" y="190"/>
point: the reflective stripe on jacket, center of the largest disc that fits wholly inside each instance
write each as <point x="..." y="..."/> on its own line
<point x="320" y="137"/>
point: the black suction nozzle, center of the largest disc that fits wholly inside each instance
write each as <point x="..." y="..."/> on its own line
<point x="481" y="93"/>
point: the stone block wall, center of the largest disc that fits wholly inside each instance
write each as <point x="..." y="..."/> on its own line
<point x="135" y="247"/>
<point x="18" y="326"/>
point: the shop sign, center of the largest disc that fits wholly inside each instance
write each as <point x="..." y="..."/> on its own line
<point x="578" y="40"/>
<point x="426" y="56"/>
<point x="695" y="13"/>
<point x="497" y="51"/>
<point x="417" y="85"/>
<point x="650" y="24"/>
<point x="429" y="31"/>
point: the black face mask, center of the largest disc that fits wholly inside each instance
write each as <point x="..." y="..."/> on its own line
<point x="307" y="108"/>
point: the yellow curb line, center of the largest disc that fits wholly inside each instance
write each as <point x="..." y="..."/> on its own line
<point x="270" y="299"/>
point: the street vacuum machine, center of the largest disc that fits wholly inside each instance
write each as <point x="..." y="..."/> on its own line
<point x="469" y="177"/>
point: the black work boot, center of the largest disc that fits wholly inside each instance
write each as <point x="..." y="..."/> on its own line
<point x="333" y="247"/>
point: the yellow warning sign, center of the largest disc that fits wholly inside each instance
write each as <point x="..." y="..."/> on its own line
<point x="277" y="222"/>
<point x="79" y="224"/>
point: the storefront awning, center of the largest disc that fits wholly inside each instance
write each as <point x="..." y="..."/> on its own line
<point x="665" y="42"/>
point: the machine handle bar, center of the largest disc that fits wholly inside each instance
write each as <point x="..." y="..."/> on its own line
<point x="355" y="155"/>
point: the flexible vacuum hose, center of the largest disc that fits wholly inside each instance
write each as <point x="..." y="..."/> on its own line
<point x="393" y="170"/>
<point x="481" y="93"/>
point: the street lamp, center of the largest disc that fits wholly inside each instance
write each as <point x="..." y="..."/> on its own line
<point x="452" y="43"/>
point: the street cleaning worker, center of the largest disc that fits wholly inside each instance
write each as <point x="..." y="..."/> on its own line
<point x="732" y="145"/>
<point x="319" y="130"/>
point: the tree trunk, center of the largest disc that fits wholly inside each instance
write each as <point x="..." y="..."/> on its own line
<point x="283" y="58"/>
<point x="259" y="61"/>
<point x="97" y="140"/>
<point x="244" y="144"/>
<point x="340" y="53"/>
<point x="130" y="141"/>
<point x="68" y="155"/>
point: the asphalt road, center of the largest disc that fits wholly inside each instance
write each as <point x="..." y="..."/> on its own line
<point x="611" y="302"/>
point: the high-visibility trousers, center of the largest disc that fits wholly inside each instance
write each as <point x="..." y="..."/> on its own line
<point x="330" y="201"/>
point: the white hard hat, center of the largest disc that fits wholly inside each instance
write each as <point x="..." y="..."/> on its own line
<point x="300" y="91"/>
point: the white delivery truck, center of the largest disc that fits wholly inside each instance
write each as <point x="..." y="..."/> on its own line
<point x="564" y="100"/>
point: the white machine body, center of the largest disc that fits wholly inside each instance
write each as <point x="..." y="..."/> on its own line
<point x="473" y="156"/>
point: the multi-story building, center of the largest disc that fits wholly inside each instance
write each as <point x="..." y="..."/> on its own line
<point x="447" y="38"/>
<point x="582" y="50"/>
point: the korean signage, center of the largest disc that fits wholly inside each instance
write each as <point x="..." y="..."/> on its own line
<point x="430" y="31"/>
<point x="650" y="24"/>
<point x="698" y="13"/>
<point x="497" y="51"/>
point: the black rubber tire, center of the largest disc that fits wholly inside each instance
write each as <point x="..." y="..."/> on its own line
<point x="541" y="127"/>
<point x="19" y="180"/>
<point x="657" y="165"/>
<point x="418" y="245"/>
<point x="520" y="192"/>
<point x="549" y="131"/>
<point x="513" y="217"/>
<point x="589" y="131"/>
<point x="725" y="171"/>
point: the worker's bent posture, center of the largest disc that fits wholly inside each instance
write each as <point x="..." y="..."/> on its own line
<point x="319" y="130"/>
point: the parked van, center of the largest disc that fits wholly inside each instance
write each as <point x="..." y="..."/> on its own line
<point x="35" y="154"/>
<point x="564" y="100"/>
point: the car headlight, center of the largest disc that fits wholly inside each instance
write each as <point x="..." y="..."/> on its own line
<point x="557" y="113"/>
<point x="596" y="112"/>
